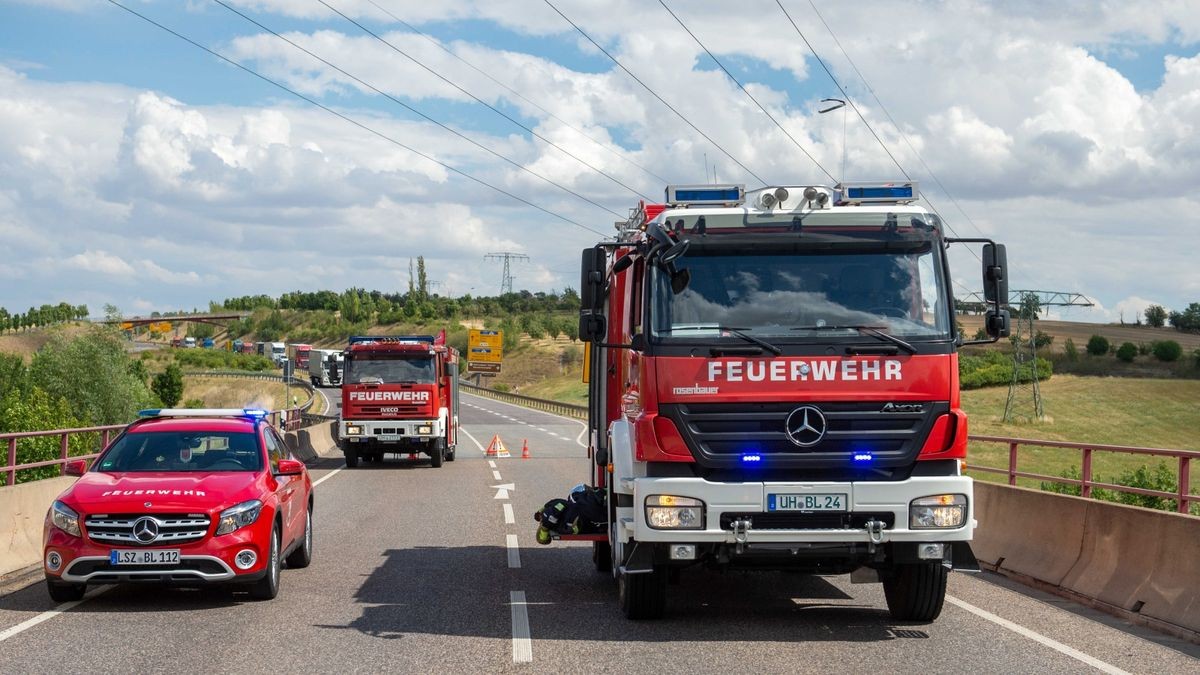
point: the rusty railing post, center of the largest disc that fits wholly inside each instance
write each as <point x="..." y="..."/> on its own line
<point x="1184" y="483"/>
<point x="1085" y="490"/>
<point x="1012" y="463"/>
<point x="12" y="462"/>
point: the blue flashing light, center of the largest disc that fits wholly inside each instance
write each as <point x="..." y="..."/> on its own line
<point x="149" y="412"/>
<point x="863" y="457"/>
<point x="880" y="193"/>
<point x="751" y="459"/>
<point x="255" y="413"/>
<point x="706" y="194"/>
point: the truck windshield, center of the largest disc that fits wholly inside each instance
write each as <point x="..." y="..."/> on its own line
<point x="389" y="368"/>
<point x="804" y="294"/>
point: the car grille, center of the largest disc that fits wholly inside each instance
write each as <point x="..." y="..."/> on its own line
<point x="719" y="434"/>
<point x="173" y="528"/>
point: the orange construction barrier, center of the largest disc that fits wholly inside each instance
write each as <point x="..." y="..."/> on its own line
<point x="525" y="449"/>
<point x="496" y="448"/>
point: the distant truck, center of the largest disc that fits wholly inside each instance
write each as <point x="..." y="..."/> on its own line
<point x="208" y="343"/>
<point x="176" y="342"/>
<point x="237" y="346"/>
<point x="298" y="355"/>
<point x="399" y="394"/>
<point x="189" y="342"/>
<point x="278" y="353"/>
<point x="248" y="348"/>
<point x="325" y="367"/>
<point x="260" y="348"/>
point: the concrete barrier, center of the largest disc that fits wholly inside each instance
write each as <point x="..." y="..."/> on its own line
<point x="24" y="508"/>
<point x="309" y="443"/>
<point x="1139" y="563"/>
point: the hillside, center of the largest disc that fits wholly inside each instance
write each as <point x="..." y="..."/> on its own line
<point x="1080" y="333"/>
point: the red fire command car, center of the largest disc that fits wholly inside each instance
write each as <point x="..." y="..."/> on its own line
<point x="182" y="497"/>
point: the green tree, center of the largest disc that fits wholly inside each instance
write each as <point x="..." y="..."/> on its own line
<point x="1127" y="352"/>
<point x="1097" y="345"/>
<point x="35" y="410"/>
<point x="168" y="385"/>
<point x="1071" y="350"/>
<point x="92" y="373"/>
<point x="1156" y="316"/>
<point x="1167" y="350"/>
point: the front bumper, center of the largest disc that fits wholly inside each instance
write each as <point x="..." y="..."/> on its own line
<point x="884" y="502"/>
<point x="388" y="431"/>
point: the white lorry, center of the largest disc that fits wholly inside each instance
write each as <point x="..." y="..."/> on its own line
<point x="278" y="353"/>
<point x="325" y="367"/>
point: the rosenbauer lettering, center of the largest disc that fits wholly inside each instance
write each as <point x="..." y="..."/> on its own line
<point x="390" y="396"/>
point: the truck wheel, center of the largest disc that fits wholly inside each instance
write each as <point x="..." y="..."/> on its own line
<point x="61" y="591"/>
<point x="643" y="596"/>
<point x="915" y="592"/>
<point x="602" y="556"/>
<point x="437" y="452"/>
<point x="351" y="457"/>
<point x="450" y="452"/>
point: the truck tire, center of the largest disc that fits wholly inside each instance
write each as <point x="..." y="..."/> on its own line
<point x="450" y="452"/>
<point x="351" y="457"/>
<point x="915" y="592"/>
<point x="437" y="453"/>
<point x="643" y="596"/>
<point x="602" y="556"/>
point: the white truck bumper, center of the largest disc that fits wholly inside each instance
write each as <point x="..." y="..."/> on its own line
<point x="387" y="431"/>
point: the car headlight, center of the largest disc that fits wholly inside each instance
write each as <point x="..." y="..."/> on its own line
<point x="353" y="431"/>
<point x="237" y="517"/>
<point x="937" y="512"/>
<point x="425" y="429"/>
<point x="64" y="518"/>
<point x="667" y="512"/>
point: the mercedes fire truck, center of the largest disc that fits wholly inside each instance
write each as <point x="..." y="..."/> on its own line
<point x="773" y="385"/>
<point x="399" y="395"/>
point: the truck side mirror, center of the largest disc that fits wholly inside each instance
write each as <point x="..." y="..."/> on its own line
<point x="996" y="322"/>
<point x="995" y="274"/>
<point x="592" y="327"/>
<point x="591" y="278"/>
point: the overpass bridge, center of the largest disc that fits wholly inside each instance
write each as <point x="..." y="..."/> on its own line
<point x="434" y="571"/>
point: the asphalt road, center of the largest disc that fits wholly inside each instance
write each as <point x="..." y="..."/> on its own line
<point x="419" y="570"/>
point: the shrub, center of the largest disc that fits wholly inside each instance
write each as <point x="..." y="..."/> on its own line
<point x="168" y="385"/>
<point x="994" y="368"/>
<point x="501" y="387"/>
<point x="36" y="410"/>
<point x="1042" y="339"/>
<point x="1167" y="350"/>
<point x="1143" y="349"/>
<point x="1127" y="352"/>
<point x="1097" y="345"/>
<point x="1071" y="351"/>
<point x="1160" y="478"/>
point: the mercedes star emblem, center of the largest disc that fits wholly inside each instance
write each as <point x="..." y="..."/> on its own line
<point x="806" y="426"/>
<point x="145" y="530"/>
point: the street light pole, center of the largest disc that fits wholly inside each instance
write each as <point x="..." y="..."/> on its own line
<point x="838" y="103"/>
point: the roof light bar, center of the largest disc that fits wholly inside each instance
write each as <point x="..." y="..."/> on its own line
<point x="706" y="194"/>
<point x="203" y="412"/>
<point x="879" y="193"/>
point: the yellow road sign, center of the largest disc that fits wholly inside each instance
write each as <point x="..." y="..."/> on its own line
<point x="485" y="346"/>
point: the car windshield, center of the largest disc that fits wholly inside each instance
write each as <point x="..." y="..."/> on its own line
<point x="384" y="369"/>
<point x="183" y="451"/>
<point x="805" y="294"/>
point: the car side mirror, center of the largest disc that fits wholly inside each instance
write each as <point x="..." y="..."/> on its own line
<point x="290" y="467"/>
<point x="75" y="467"/>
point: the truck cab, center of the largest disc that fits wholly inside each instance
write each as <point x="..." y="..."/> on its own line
<point x="773" y="384"/>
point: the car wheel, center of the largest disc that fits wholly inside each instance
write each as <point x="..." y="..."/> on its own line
<point x="268" y="587"/>
<point x="61" y="591"/>
<point x="302" y="556"/>
<point x="437" y="453"/>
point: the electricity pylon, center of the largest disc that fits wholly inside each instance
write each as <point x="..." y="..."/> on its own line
<point x="507" y="278"/>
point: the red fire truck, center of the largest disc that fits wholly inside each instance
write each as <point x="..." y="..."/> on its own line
<point x="774" y="385"/>
<point x="399" y="395"/>
<point x="299" y="355"/>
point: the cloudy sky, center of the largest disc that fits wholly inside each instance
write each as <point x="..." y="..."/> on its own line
<point x="137" y="169"/>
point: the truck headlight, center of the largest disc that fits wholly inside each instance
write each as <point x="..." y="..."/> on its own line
<point x="667" y="512"/>
<point x="425" y="429"/>
<point x="64" y="518"/>
<point x="937" y="512"/>
<point x="237" y="517"/>
<point x="353" y="431"/>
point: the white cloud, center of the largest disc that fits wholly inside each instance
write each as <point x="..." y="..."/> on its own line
<point x="100" y="262"/>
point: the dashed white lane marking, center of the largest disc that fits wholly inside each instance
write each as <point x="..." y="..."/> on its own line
<point x="508" y="515"/>
<point x="514" y="551"/>
<point x="1038" y="637"/>
<point x="67" y="606"/>
<point x="496" y="475"/>
<point x="578" y="439"/>
<point x="542" y="430"/>
<point x="491" y="463"/>
<point x="521" y="644"/>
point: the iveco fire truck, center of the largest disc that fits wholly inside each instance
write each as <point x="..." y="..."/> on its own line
<point x="773" y="384"/>
<point x="399" y="395"/>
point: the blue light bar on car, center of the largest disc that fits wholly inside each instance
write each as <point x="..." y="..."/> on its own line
<point x="863" y="457"/>
<point x="255" y="412"/>
<point x="751" y="459"/>
<point x="706" y="194"/>
<point x="149" y="412"/>
<point x="879" y="193"/>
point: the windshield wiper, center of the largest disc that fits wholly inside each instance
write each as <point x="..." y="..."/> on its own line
<point x="873" y="331"/>
<point x="732" y="331"/>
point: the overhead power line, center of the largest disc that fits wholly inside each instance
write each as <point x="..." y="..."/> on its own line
<point x="652" y="92"/>
<point x="353" y="121"/>
<point x="745" y="91"/>
<point x="900" y="131"/>
<point x="506" y="279"/>
<point x="415" y="111"/>
<point x="484" y="103"/>
<point x="514" y="92"/>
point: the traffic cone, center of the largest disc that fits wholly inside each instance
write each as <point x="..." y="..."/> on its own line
<point x="525" y="449"/>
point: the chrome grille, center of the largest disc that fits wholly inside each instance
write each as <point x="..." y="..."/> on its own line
<point x="173" y="528"/>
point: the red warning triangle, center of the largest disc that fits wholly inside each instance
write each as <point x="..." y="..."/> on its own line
<point x="496" y="448"/>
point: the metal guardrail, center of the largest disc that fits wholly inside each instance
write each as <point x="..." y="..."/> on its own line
<point x="545" y="405"/>
<point x="288" y="419"/>
<point x="1182" y="494"/>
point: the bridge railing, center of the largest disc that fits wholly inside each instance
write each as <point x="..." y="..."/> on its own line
<point x="1086" y="483"/>
<point x="557" y="407"/>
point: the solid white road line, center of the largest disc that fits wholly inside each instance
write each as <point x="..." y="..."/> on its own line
<point x="522" y="645"/>
<point x="508" y="514"/>
<point x="66" y="606"/>
<point x="1038" y="637"/>
<point x="473" y="439"/>
<point x="514" y="551"/>
<point x="327" y="476"/>
<point x="496" y="475"/>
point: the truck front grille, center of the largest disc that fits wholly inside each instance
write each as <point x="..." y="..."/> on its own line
<point x="172" y="528"/>
<point x="806" y="521"/>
